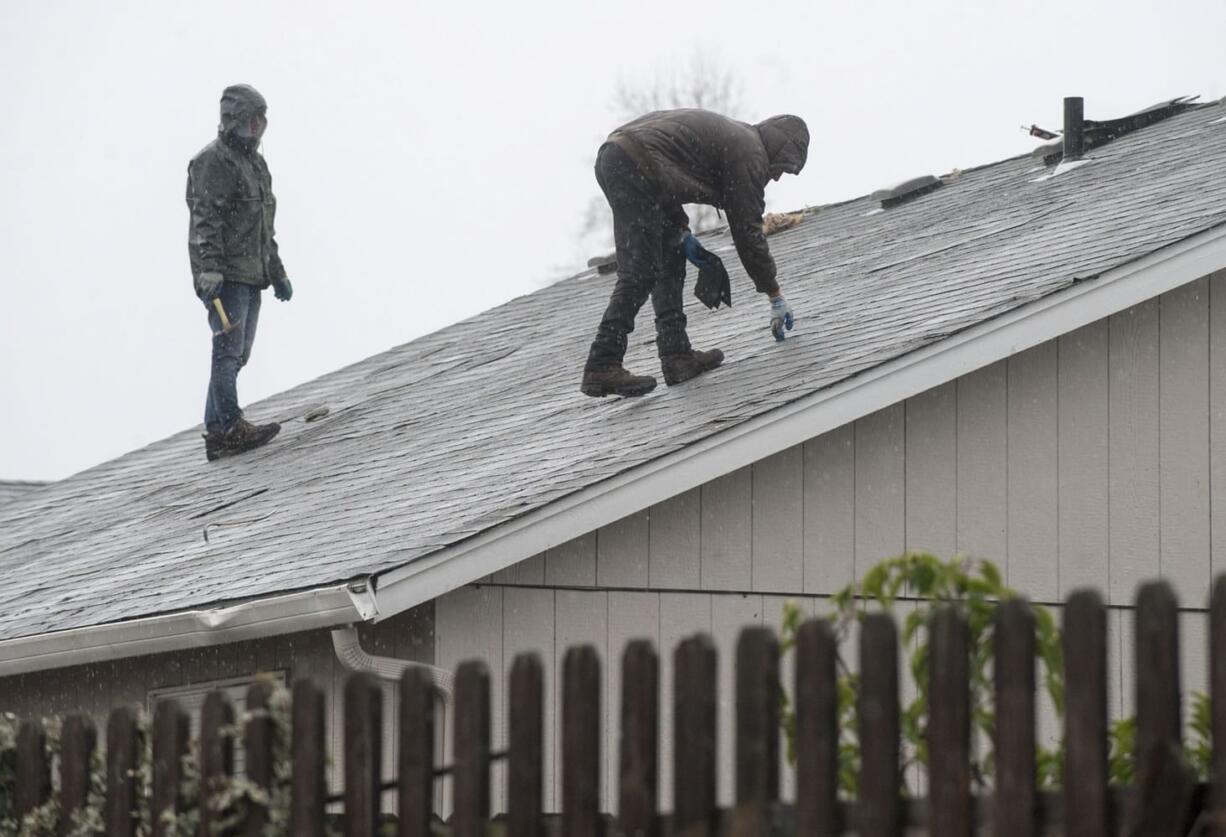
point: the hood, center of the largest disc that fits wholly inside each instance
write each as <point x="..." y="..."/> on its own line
<point x="786" y="139"/>
<point x="238" y="103"/>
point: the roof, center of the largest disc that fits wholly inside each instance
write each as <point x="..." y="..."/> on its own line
<point x="435" y="448"/>
<point x="12" y="489"/>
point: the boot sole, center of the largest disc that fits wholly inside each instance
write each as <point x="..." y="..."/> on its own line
<point x="601" y="390"/>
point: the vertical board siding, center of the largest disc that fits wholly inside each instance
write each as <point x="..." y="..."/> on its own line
<point x="529" y="625"/>
<point x="622" y="552"/>
<point x="1217" y="420"/>
<point x="830" y="510"/>
<point x="469" y="626"/>
<point x="982" y="462"/>
<point x="529" y="571"/>
<point x="1083" y="377"/>
<point x="880" y="483"/>
<point x="727" y="532"/>
<point x="729" y="614"/>
<point x="1134" y="435"/>
<point x="573" y="564"/>
<point x="675" y="541"/>
<point x="1031" y="561"/>
<point x="778" y="522"/>
<point x="1184" y="476"/>
<point x="932" y="470"/>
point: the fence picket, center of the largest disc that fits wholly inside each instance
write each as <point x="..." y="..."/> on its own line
<point x="121" y="760"/>
<point x="1164" y="786"/>
<point x="525" y="762"/>
<point x="757" y="730"/>
<point x="581" y="743"/>
<point x="258" y="743"/>
<point x="878" y="808"/>
<point x="1086" y="803"/>
<point x="171" y="732"/>
<point x="694" y="731"/>
<point x="1164" y="801"/>
<point x="1013" y="805"/>
<point x="416" y="781"/>
<point x="640" y="732"/>
<point x="363" y="754"/>
<point x="307" y="791"/>
<point x="33" y="769"/>
<point x="78" y="742"/>
<point x="816" y="737"/>
<point x="1217" y="697"/>
<point x="471" y="766"/>
<point x="949" y="725"/>
<point x="216" y="757"/>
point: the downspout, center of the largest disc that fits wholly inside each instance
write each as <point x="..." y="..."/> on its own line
<point x="352" y="656"/>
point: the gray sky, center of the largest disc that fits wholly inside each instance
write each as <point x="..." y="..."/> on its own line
<point x="433" y="161"/>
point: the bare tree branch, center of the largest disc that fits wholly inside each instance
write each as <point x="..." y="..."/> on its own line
<point x="704" y="83"/>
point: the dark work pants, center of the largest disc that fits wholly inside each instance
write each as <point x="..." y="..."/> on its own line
<point x="230" y="353"/>
<point x="649" y="262"/>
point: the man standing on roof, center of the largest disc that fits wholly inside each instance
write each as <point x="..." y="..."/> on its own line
<point x="233" y="252"/>
<point x="647" y="169"/>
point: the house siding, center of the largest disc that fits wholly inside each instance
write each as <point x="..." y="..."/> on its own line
<point x="1084" y="461"/>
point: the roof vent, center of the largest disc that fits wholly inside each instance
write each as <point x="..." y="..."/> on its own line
<point x="905" y="191"/>
<point x="1082" y="135"/>
<point x="603" y="264"/>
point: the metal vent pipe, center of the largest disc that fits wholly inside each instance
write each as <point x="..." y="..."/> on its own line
<point x="1074" y="127"/>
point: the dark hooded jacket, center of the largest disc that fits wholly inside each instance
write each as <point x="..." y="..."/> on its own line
<point x="695" y="156"/>
<point x="229" y="196"/>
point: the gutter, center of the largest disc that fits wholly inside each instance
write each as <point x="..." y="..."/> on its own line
<point x="791" y="424"/>
<point x="322" y="607"/>
<point x="349" y="652"/>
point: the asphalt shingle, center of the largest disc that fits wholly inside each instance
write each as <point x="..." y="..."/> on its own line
<point x="471" y="426"/>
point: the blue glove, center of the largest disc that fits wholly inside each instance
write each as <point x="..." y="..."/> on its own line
<point x="781" y="317"/>
<point x="693" y="250"/>
<point x="283" y="289"/>
<point x="208" y="285"/>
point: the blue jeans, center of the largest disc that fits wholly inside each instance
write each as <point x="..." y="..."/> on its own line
<point x="231" y="350"/>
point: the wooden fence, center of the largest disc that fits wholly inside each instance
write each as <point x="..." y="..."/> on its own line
<point x="1166" y="799"/>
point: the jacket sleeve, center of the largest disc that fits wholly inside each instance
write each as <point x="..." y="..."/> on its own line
<point x="276" y="270"/>
<point x="745" y="203"/>
<point x="210" y="186"/>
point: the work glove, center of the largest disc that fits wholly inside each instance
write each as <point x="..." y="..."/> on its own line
<point x="694" y="252"/>
<point x="782" y="318"/>
<point x="283" y="289"/>
<point x="208" y="285"/>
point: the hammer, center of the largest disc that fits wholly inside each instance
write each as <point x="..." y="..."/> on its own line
<point x="226" y="325"/>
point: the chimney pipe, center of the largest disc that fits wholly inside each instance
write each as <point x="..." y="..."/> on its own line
<point x="1074" y="127"/>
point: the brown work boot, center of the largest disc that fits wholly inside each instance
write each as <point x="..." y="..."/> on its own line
<point x="214" y="447"/>
<point x="615" y="381"/>
<point x="244" y="436"/>
<point x="680" y="368"/>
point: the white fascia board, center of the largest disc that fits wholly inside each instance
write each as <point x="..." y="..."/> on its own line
<point x="781" y="428"/>
<point x="323" y="607"/>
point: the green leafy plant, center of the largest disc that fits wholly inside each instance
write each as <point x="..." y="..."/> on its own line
<point x="922" y="584"/>
<point x="235" y="798"/>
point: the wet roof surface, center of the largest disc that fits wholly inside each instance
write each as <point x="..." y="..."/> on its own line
<point x="469" y="427"/>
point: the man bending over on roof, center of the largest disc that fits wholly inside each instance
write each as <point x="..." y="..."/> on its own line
<point x="233" y="255"/>
<point x="647" y="169"/>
